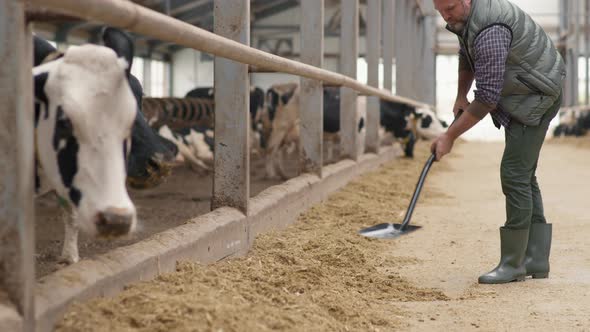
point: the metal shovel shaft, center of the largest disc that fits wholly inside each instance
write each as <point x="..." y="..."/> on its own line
<point x="417" y="192"/>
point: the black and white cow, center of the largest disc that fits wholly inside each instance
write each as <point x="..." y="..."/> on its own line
<point x="256" y="102"/>
<point x="332" y="119"/>
<point x="85" y="110"/>
<point x="406" y="124"/>
<point x="194" y="140"/>
<point x="428" y="124"/>
<point x="195" y="146"/>
<point x="396" y="120"/>
<point x="572" y="122"/>
<point x="151" y="155"/>
<point x="281" y="122"/>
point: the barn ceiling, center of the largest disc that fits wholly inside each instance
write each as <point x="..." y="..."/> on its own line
<point x="196" y="12"/>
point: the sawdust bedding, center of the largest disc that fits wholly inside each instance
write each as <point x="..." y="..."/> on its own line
<point x="318" y="274"/>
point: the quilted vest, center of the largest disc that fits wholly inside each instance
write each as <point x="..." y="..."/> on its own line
<point x="534" y="68"/>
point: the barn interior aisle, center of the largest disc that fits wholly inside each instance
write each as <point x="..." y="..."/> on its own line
<point x="320" y="275"/>
<point x="459" y="241"/>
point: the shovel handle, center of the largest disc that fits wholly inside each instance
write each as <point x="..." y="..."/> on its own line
<point x="417" y="191"/>
<point x="420" y="183"/>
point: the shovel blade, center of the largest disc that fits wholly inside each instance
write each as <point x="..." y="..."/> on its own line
<point x="387" y="231"/>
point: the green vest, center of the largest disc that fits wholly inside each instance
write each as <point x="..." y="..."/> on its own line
<point x="534" y="69"/>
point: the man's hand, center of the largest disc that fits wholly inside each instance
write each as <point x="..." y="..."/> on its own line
<point x="461" y="103"/>
<point x="441" y="146"/>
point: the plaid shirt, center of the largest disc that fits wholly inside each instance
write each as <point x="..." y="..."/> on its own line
<point x="491" y="49"/>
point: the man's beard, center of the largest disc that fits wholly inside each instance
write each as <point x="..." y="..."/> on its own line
<point x="457" y="27"/>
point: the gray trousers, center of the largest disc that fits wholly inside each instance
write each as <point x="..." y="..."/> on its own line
<point x="524" y="204"/>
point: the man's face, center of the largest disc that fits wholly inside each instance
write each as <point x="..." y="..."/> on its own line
<point x="454" y="12"/>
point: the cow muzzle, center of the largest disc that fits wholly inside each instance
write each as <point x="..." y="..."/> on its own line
<point x="156" y="171"/>
<point x="114" y="222"/>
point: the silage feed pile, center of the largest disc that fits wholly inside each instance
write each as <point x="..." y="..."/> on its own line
<point x="316" y="275"/>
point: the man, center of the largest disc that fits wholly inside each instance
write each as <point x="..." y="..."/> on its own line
<point x="518" y="77"/>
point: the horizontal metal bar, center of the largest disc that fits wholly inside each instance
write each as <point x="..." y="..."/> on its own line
<point x="575" y="108"/>
<point x="256" y="69"/>
<point x="331" y="85"/>
<point x="127" y="15"/>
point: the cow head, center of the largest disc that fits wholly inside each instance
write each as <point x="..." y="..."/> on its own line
<point x="399" y="120"/>
<point x="277" y="96"/>
<point x="83" y="135"/>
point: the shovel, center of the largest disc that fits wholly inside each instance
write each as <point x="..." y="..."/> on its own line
<point x="391" y="231"/>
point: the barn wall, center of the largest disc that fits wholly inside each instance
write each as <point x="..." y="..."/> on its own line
<point x="190" y="70"/>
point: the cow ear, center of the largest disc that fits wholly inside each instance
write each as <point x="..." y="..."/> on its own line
<point x="121" y="43"/>
<point x="137" y="90"/>
<point x="41" y="49"/>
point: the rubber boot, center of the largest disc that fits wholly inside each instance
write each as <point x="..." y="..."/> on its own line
<point x="511" y="267"/>
<point x="536" y="260"/>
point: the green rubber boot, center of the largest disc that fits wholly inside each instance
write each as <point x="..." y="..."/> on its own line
<point x="536" y="260"/>
<point x="511" y="267"/>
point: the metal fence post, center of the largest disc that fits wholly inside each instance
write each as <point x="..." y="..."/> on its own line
<point x="414" y="66"/>
<point x="563" y="47"/>
<point x="147" y="76"/>
<point x="388" y="43"/>
<point x="349" y="28"/>
<point x="373" y="52"/>
<point x="231" y="179"/>
<point x="312" y="96"/>
<point x="587" y="50"/>
<point x="576" y="51"/>
<point x="17" y="238"/>
<point x="400" y="50"/>
<point x="430" y="55"/>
